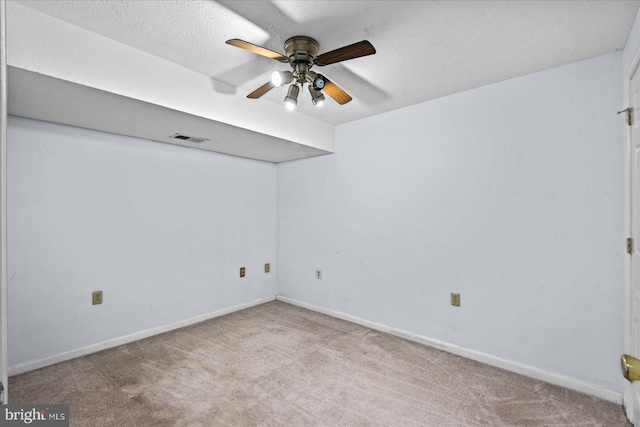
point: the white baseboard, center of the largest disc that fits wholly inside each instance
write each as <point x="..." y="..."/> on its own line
<point x="509" y="365"/>
<point x="93" y="348"/>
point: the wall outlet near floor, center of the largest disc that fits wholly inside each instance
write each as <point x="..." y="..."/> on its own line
<point x="96" y="298"/>
<point x="241" y="271"/>
<point x="318" y="274"/>
<point x="455" y="299"/>
<point x="267" y="267"/>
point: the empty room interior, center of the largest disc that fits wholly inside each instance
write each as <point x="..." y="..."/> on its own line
<point x="347" y="213"/>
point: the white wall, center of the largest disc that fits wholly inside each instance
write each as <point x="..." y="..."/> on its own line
<point x="161" y="230"/>
<point x="511" y="194"/>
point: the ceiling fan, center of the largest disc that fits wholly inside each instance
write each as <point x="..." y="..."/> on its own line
<point x="301" y="55"/>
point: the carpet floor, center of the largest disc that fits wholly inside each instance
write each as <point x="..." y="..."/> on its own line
<point x="281" y="365"/>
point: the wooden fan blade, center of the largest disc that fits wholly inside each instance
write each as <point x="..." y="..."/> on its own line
<point x="261" y="90"/>
<point x="334" y="91"/>
<point x="257" y="49"/>
<point x="355" y="50"/>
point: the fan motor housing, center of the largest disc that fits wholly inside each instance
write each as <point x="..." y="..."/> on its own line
<point x="301" y="49"/>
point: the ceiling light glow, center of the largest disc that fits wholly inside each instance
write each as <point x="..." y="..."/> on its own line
<point x="291" y="100"/>
<point x="279" y="78"/>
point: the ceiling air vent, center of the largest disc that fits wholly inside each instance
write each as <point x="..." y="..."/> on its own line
<point x="188" y="138"/>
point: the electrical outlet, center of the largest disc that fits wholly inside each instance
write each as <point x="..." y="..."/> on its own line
<point x="241" y="271"/>
<point x="455" y="299"/>
<point x="96" y="298"/>
<point x="318" y="274"/>
<point x="267" y="267"/>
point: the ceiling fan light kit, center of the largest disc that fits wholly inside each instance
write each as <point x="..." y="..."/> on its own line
<point x="291" y="100"/>
<point x="301" y="55"/>
<point x="317" y="98"/>
<point x="279" y="78"/>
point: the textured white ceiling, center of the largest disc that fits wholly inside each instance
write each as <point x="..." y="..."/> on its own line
<point x="425" y="49"/>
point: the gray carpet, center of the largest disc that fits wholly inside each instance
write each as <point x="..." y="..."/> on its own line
<point x="280" y="365"/>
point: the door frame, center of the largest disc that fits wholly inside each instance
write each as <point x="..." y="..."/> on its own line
<point x="4" y="373"/>
<point x="628" y="314"/>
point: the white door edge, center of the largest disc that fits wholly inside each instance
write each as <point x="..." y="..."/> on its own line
<point x="634" y="67"/>
<point x="3" y="201"/>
